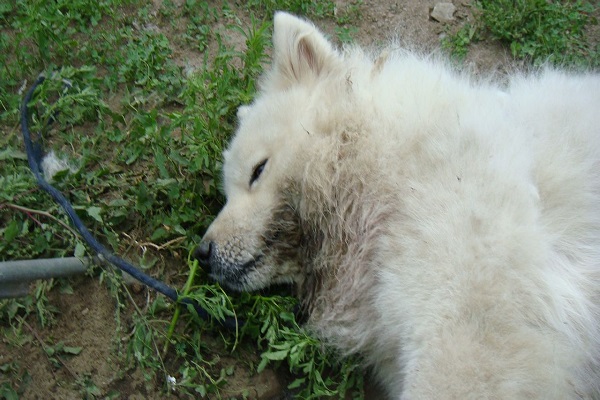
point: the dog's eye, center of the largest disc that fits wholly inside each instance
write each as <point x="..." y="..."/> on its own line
<point x="258" y="170"/>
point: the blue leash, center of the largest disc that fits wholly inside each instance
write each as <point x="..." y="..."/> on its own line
<point x="34" y="155"/>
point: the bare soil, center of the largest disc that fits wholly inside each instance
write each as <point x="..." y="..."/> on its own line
<point x="87" y="317"/>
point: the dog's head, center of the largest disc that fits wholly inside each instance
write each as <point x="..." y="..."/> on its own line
<point x="257" y="239"/>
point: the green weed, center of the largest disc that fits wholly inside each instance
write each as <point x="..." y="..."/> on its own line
<point x="11" y="380"/>
<point x="350" y="14"/>
<point x="538" y="31"/>
<point x="319" y="373"/>
<point x="270" y="322"/>
<point x="345" y="33"/>
<point x="315" y="9"/>
<point x="458" y="43"/>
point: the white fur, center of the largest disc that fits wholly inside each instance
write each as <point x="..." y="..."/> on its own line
<point x="52" y="165"/>
<point x="447" y="229"/>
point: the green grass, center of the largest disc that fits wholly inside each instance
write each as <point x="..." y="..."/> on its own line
<point x="143" y="135"/>
<point x="538" y="31"/>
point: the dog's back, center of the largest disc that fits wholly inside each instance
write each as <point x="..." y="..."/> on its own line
<point x="492" y="274"/>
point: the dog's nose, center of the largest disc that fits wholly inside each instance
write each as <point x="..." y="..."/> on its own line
<point x="203" y="252"/>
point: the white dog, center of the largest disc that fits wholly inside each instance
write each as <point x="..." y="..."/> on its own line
<point x="445" y="228"/>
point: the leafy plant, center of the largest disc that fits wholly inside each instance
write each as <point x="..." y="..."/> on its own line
<point x="350" y="14"/>
<point x="318" y="9"/>
<point x="8" y="389"/>
<point x="540" y="31"/>
<point x="345" y="33"/>
<point x="319" y="373"/>
<point x="270" y="322"/>
<point x="458" y="43"/>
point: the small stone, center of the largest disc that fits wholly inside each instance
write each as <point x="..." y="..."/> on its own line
<point x="268" y="385"/>
<point x="443" y="12"/>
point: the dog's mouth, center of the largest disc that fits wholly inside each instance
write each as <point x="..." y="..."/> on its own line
<point x="235" y="276"/>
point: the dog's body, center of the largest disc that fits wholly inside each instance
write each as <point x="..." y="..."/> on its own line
<point x="448" y="230"/>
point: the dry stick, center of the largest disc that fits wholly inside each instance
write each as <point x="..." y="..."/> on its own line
<point x="164" y="245"/>
<point x="45" y="214"/>
<point x="154" y="245"/>
<point x="44" y="347"/>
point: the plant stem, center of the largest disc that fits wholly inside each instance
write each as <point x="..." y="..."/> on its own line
<point x="186" y="290"/>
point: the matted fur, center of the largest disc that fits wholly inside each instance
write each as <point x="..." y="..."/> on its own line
<point x="445" y="228"/>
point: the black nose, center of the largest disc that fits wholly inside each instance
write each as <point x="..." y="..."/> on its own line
<point x="203" y="252"/>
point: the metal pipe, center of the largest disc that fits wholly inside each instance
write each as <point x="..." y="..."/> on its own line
<point x="15" y="276"/>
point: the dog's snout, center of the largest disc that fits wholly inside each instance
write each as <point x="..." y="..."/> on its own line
<point x="203" y="253"/>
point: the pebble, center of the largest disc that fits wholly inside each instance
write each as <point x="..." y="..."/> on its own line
<point x="268" y="385"/>
<point x="443" y="12"/>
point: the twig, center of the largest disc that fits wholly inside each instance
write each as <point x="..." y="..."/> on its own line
<point x="154" y="245"/>
<point x="166" y="244"/>
<point x="45" y="346"/>
<point x="43" y="213"/>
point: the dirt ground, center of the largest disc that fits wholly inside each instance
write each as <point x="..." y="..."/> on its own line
<point x="86" y="318"/>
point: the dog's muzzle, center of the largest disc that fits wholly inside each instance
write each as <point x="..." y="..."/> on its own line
<point x="230" y="273"/>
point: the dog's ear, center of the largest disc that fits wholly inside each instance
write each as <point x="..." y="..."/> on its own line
<point x="301" y="52"/>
